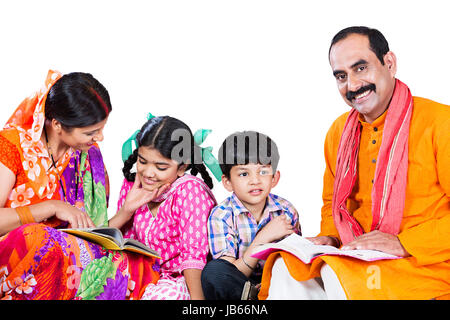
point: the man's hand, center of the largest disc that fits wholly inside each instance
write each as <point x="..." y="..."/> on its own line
<point x="377" y="240"/>
<point x="324" y="240"/>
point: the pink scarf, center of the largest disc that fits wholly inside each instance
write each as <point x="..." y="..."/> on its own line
<point x="388" y="192"/>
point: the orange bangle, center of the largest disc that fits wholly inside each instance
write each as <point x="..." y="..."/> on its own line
<point x="24" y="214"/>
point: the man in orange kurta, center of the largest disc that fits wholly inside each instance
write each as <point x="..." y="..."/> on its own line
<point x="365" y="78"/>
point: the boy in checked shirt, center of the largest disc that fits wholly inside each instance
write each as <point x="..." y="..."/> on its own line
<point x="251" y="216"/>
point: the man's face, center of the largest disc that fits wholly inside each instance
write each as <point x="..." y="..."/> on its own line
<point x="363" y="82"/>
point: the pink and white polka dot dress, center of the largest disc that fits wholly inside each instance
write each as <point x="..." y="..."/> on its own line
<point x="178" y="233"/>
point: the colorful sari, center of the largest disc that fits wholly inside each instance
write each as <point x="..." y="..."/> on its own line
<point x="36" y="260"/>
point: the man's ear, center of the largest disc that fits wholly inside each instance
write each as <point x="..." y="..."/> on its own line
<point x="275" y="179"/>
<point x="390" y="60"/>
<point x="227" y="183"/>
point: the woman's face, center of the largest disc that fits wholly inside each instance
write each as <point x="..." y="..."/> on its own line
<point x="83" y="138"/>
<point x="154" y="170"/>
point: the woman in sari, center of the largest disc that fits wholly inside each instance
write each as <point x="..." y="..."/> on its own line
<point x="53" y="177"/>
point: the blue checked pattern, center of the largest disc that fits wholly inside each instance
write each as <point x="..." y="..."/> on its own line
<point x="232" y="228"/>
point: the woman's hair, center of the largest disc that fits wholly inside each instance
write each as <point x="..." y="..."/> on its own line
<point x="174" y="140"/>
<point x="77" y="100"/>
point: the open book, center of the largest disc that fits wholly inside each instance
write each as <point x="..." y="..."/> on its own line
<point x="307" y="251"/>
<point x="112" y="239"/>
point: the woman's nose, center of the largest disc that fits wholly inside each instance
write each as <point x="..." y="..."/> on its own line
<point x="98" y="137"/>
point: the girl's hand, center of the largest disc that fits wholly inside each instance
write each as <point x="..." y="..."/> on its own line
<point x="75" y="217"/>
<point x="138" y="196"/>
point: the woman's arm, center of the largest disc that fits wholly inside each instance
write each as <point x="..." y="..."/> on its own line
<point x="9" y="219"/>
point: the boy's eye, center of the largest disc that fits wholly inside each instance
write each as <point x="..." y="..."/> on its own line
<point x="243" y="174"/>
<point x="264" y="172"/>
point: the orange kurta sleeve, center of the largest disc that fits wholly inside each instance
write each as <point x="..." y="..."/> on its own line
<point x="426" y="231"/>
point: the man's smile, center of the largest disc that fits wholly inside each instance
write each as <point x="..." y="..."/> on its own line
<point x="358" y="95"/>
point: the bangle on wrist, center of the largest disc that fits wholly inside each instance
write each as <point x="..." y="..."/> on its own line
<point x="248" y="266"/>
<point x="25" y="215"/>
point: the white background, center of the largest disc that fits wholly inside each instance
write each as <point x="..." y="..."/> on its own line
<point x="221" y="65"/>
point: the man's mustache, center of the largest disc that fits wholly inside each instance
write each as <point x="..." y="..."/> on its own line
<point x="352" y="94"/>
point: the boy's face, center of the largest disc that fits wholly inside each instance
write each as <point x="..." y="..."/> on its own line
<point x="251" y="182"/>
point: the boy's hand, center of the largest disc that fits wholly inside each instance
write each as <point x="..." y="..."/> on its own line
<point x="277" y="228"/>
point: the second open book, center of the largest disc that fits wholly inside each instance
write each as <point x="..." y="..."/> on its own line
<point x="112" y="238"/>
<point x="307" y="251"/>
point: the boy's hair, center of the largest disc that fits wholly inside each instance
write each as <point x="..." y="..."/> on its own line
<point x="247" y="147"/>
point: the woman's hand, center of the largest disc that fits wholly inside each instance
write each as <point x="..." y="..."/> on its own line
<point x="75" y="217"/>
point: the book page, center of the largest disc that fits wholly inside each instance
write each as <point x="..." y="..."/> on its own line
<point x="109" y="232"/>
<point x="299" y="246"/>
<point x="106" y="241"/>
<point x="366" y="255"/>
<point x="306" y="251"/>
<point x="136" y="246"/>
<point x="110" y="238"/>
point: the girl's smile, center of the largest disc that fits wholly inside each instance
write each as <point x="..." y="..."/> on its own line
<point x="155" y="170"/>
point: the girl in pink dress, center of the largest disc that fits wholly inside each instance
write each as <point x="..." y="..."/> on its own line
<point x="167" y="209"/>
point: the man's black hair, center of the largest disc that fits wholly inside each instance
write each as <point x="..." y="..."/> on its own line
<point x="378" y="43"/>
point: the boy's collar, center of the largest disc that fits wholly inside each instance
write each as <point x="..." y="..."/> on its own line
<point x="237" y="205"/>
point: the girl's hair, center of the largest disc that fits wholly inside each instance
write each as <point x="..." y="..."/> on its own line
<point x="77" y="100"/>
<point x="174" y="140"/>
